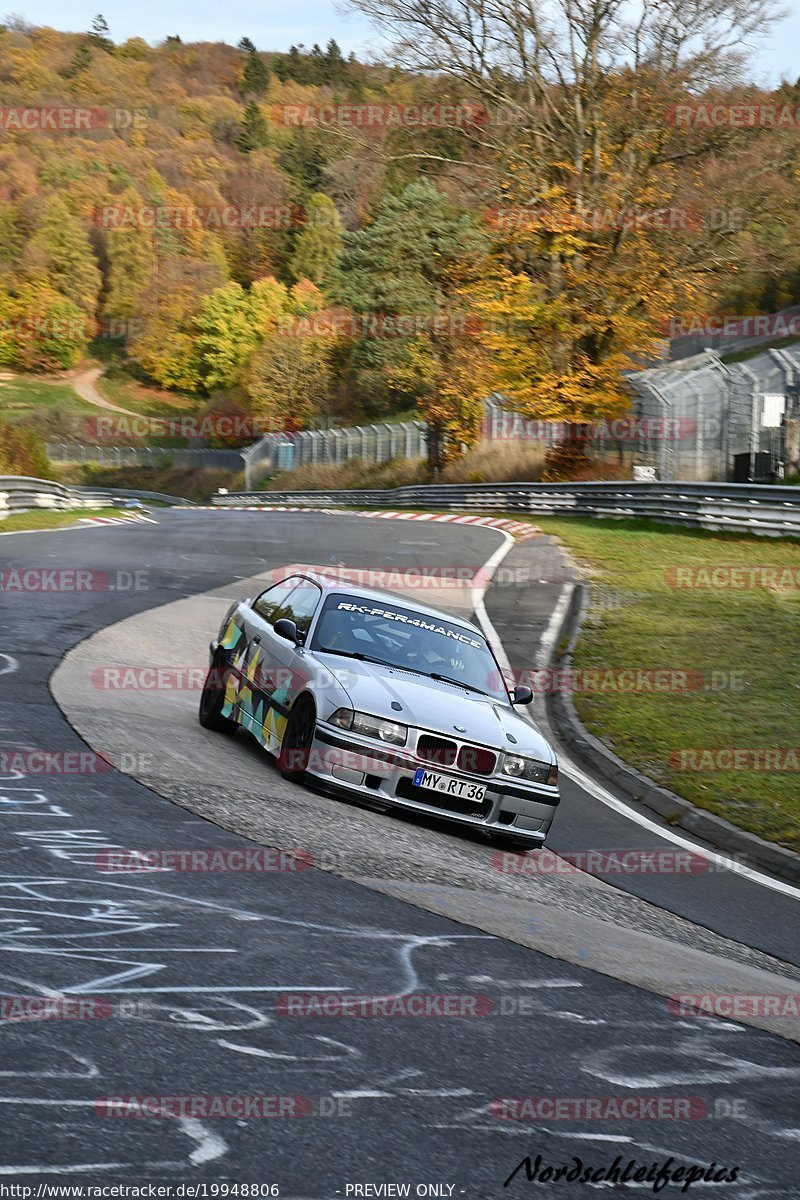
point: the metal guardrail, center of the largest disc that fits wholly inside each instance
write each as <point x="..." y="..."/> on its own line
<point x="146" y="456"/>
<point x="20" y="493"/>
<point x="750" y="508"/>
<point x="135" y="494"/>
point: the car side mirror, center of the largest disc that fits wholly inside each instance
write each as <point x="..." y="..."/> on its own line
<point x="286" y="629"/>
<point x="522" y="694"/>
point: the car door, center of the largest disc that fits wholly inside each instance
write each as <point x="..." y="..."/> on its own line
<point x="259" y="665"/>
<point x="295" y="671"/>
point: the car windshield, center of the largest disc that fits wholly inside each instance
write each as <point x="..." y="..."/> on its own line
<point x="356" y="627"/>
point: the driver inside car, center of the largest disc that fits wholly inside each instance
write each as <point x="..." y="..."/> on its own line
<point x="340" y="631"/>
<point x="431" y="652"/>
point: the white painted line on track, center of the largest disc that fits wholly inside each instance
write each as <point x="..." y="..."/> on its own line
<point x="485" y="574"/>
<point x="574" y="772"/>
<point x="599" y="792"/>
<point x="548" y="639"/>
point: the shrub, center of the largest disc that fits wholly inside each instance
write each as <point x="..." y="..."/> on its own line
<point x="569" y="463"/>
<point x="22" y="453"/>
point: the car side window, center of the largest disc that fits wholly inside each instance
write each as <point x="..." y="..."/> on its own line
<point x="271" y="604"/>
<point x="302" y="605"/>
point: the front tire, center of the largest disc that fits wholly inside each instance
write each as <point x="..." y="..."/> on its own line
<point x="212" y="698"/>
<point x="507" y="841"/>
<point x="295" y="748"/>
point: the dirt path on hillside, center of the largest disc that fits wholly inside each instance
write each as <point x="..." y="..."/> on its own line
<point x="84" y="385"/>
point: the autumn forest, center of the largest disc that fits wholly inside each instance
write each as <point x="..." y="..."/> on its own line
<point x="506" y="203"/>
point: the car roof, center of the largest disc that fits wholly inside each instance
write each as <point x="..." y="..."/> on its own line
<point x="346" y="589"/>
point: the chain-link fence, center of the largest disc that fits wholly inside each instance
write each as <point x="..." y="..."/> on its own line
<point x="704" y="419"/>
<point x="697" y="419"/>
<point x="375" y="443"/>
<point x="125" y="456"/>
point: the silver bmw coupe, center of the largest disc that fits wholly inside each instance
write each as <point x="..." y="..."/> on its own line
<point x="393" y="704"/>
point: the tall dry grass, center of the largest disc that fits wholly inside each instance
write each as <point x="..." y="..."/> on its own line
<point x="488" y="462"/>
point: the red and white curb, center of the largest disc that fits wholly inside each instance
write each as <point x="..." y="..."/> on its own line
<point x="116" y="520"/>
<point x="518" y="529"/>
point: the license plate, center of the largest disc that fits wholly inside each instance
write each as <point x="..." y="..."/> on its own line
<point x="464" y="789"/>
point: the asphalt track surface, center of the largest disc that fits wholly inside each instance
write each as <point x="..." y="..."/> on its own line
<point x="192" y="963"/>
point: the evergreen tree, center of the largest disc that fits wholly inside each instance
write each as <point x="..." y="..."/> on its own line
<point x="254" y="130"/>
<point x="336" y="67"/>
<point x="247" y="45"/>
<point x="295" y="65"/>
<point x="317" y="65"/>
<point x="99" y="33"/>
<point x="280" y="67"/>
<point x="81" y="59"/>
<point x="255" y="76"/>
<point x="411" y="262"/>
<point x="319" y="245"/>
<point x="303" y="160"/>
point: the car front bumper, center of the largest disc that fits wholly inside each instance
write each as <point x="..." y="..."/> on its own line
<point x="384" y="775"/>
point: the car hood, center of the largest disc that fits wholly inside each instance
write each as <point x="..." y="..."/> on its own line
<point x="432" y="704"/>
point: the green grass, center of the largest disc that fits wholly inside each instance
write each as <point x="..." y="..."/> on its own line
<point x="53" y="520"/>
<point x="24" y="395"/>
<point x="127" y="392"/>
<point x="637" y="620"/>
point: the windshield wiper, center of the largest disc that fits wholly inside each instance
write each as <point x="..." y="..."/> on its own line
<point x="457" y="682"/>
<point x="401" y="667"/>
<point x="359" y="654"/>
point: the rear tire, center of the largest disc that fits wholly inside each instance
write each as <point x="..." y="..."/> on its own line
<point x="296" y="745"/>
<point x="212" y="698"/>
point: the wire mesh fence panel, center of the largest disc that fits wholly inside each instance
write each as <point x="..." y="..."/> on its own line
<point x="123" y="456"/>
<point x="700" y="418"/>
<point x="727" y="417"/>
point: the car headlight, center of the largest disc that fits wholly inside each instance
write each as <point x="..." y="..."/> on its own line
<point x="530" y="768"/>
<point x="375" y="727"/>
